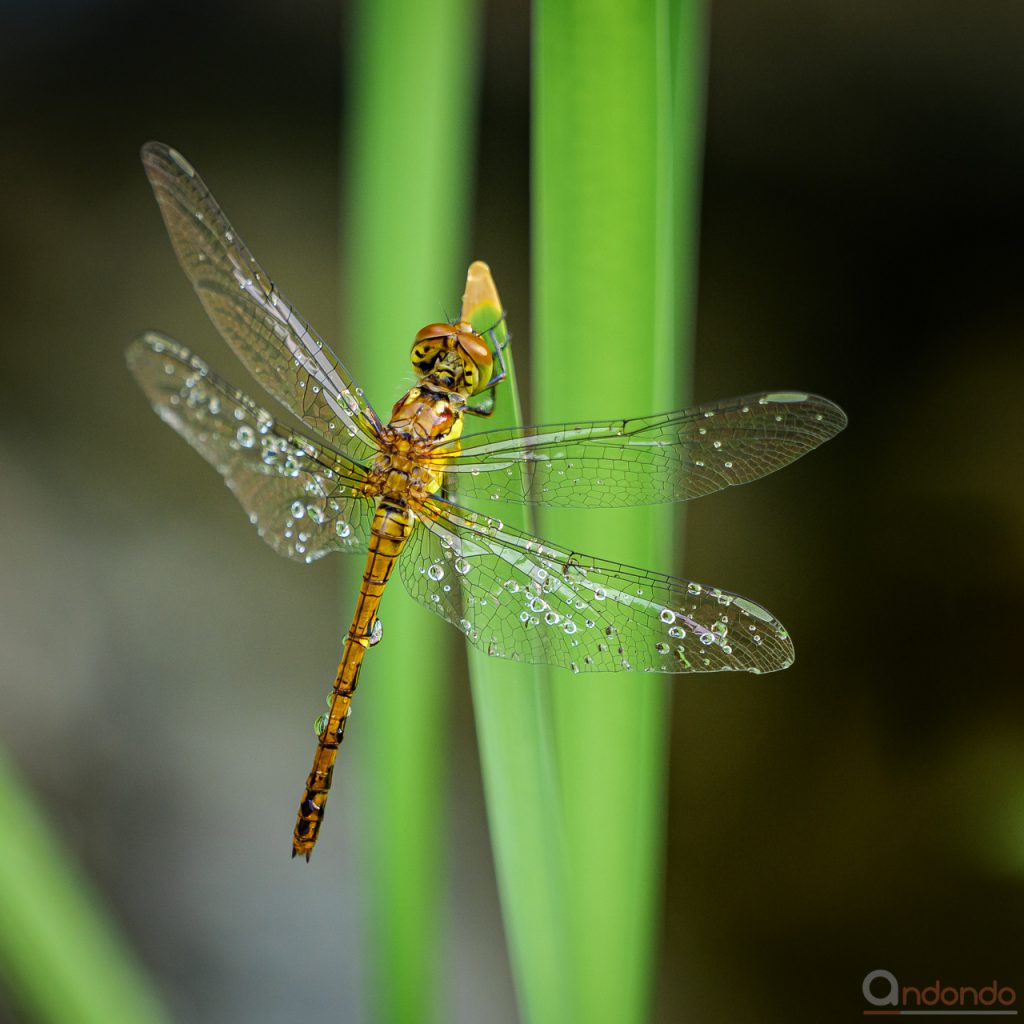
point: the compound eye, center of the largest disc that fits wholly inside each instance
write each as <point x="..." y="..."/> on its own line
<point x="433" y="331"/>
<point x="425" y="352"/>
<point x="477" y="357"/>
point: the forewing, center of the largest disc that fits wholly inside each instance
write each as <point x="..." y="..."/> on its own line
<point x="515" y="596"/>
<point x="671" y="457"/>
<point x="304" y="499"/>
<point x="278" y="347"/>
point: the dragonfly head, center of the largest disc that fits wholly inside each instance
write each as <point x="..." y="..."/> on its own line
<point x="455" y="354"/>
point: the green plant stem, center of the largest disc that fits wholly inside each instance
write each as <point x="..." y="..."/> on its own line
<point x="60" y="955"/>
<point x="409" y="156"/>
<point x="512" y="704"/>
<point x="615" y="183"/>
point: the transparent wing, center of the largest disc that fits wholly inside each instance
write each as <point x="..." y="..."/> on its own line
<point x="304" y="499"/>
<point x="518" y="597"/>
<point x="671" y="457"/>
<point x="275" y="343"/>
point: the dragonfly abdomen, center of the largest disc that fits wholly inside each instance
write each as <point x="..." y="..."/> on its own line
<point x="392" y="524"/>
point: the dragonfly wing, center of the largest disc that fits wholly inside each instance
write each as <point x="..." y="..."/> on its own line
<point x="643" y="461"/>
<point x="304" y="499"/>
<point x="518" y="597"/>
<point x="277" y="346"/>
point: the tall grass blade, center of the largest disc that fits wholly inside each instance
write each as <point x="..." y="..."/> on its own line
<point x="615" y="183"/>
<point x="60" y="955"/>
<point x="513" y="717"/>
<point x="409" y="156"/>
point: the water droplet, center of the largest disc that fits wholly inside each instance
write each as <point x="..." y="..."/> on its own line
<point x="462" y="566"/>
<point x="707" y="639"/>
<point x="298" y="509"/>
<point x="321" y="723"/>
<point x="662" y="648"/>
<point x="245" y="436"/>
<point x="552" y="618"/>
<point x="511" y="586"/>
<point x="693" y="588"/>
<point x="599" y="594"/>
<point x="181" y="162"/>
<point x="342" y="529"/>
<point x="436" y="571"/>
<point x="667" y="616"/>
<point x="376" y="632"/>
<point x="569" y="627"/>
<point x="575" y="668"/>
<point x="677" y="633"/>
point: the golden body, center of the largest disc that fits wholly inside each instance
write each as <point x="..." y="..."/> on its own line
<point x="400" y="477"/>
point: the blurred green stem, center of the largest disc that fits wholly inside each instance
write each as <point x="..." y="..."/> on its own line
<point x="618" y="89"/>
<point x="409" y="156"/>
<point x="60" y="955"/>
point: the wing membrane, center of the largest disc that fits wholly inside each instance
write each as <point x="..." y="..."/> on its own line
<point x="304" y="499"/>
<point x="518" y="597"/>
<point x="277" y="346"/>
<point x="643" y="461"/>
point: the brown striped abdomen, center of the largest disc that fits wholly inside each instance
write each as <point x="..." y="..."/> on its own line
<point x="392" y="524"/>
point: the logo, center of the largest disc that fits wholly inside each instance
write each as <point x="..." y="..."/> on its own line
<point x="886" y="997"/>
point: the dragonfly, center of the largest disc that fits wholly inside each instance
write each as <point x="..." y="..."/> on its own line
<point x="355" y="483"/>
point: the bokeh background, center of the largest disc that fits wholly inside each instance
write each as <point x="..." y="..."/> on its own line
<point x="160" y="668"/>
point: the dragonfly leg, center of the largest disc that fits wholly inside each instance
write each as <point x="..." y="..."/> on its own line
<point x="487" y="406"/>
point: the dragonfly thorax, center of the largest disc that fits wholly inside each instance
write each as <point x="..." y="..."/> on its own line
<point x="400" y="477"/>
<point x="425" y="416"/>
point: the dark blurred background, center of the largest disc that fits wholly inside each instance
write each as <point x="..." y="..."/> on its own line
<point x="160" y="668"/>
